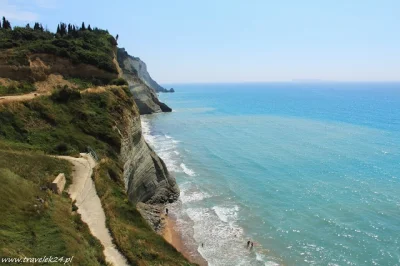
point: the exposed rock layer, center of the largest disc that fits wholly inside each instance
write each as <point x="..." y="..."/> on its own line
<point x="42" y="65"/>
<point x="146" y="176"/>
<point x="142" y="86"/>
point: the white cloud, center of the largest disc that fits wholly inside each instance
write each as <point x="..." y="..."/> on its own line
<point x="14" y="12"/>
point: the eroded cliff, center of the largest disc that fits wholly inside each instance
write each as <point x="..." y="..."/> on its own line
<point x="146" y="177"/>
<point x="142" y="86"/>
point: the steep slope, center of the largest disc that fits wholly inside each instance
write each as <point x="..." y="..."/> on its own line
<point x="70" y="113"/>
<point x="142" y="86"/>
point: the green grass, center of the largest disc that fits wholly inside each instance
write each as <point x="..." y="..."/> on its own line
<point x="35" y="167"/>
<point x="34" y="229"/>
<point x="66" y="123"/>
<point x="132" y="235"/>
<point x="16" y="88"/>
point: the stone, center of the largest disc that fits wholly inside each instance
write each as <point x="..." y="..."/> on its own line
<point x="57" y="186"/>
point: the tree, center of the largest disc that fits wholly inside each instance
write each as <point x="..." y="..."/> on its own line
<point x="116" y="37"/>
<point x="89" y="28"/>
<point x="62" y="29"/>
<point x="83" y="26"/>
<point x="6" y="24"/>
<point x="28" y="26"/>
<point x="0" y="24"/>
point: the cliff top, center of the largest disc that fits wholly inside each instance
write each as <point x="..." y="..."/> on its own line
<point x="79" y="44"/>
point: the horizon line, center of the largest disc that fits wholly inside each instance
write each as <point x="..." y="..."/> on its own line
<point x="286" y="81"/>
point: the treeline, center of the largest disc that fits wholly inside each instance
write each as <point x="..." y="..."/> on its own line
<point x="79" y="44"/>
<point x="62" y="28"/>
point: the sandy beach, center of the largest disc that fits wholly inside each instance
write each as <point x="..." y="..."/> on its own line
<point x="173" y="237"/>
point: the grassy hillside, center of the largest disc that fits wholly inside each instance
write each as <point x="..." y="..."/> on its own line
<point x="66" y="122"/>
<point x="31" y="228"/>
<point x="94" y="47"/>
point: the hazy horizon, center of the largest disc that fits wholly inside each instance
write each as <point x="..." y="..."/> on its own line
<point x="240" y="41"/>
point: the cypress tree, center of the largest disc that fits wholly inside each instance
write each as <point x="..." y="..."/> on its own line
<point x="28" y="26"/>
<point x="6" y="24"/>
<point x="89" y="28"/>
<point x="58" y="29"/>
<point x="83" y="26"/>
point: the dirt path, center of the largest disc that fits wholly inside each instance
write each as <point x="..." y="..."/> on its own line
<point x="89" y="206"/>
<point x="20" y="98"/>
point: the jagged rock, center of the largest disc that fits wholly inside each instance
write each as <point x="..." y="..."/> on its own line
<point x="152" y="214"/>
<point x="142" y="86"/>
<point x="146" y="177"/>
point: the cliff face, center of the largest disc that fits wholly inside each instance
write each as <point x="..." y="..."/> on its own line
<point x="146" y="176"/>
<point x="142" y="86"/>
<point x="141" y="70"/>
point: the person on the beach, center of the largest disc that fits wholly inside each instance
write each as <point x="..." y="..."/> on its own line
<point x="166" y="211"/>
<point x="248" y="244"/>
<point x="251" y="246"/>
<point x="202" y="245"/>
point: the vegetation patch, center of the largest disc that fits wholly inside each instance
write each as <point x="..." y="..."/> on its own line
<point x="36" y="222"/>
<point x="67" y="122"/>
<point x="132" y="235"/>
<point x="79" y="44"/>
<point x="15" y="88"/>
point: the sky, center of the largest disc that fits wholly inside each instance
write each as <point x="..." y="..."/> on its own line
<point x="184" y="41"/>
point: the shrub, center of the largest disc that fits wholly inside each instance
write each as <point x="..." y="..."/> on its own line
<point x="61" y="148"/>
<point x="17" y="88"/>
<point x="119" y="82"/>
<point x="65" y="95"/>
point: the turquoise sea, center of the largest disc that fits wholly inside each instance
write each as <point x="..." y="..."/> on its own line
<point x="309" y="172"/>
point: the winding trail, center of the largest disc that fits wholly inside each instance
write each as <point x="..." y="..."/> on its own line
<point x="21" y="97"/>
<point x="89" y="206"/>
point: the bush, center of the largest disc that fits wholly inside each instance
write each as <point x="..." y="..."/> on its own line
<point x="17" y="88"/>
<point x="65" y="95"/>
<point x="61" y="148"/>
<point x="119" y="82"/>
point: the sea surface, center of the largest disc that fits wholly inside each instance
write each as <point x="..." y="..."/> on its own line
<point x="309" y="172"/>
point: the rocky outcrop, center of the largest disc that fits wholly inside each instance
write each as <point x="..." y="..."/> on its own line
<point x="142" y="86"/>
<point x="146" y="176"/>
<point x="141" y="70"/>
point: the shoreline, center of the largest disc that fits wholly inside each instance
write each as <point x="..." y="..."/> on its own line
<point x="173" y="236"/>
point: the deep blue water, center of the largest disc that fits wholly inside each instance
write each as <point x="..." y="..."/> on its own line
<point x="309" y="172"/>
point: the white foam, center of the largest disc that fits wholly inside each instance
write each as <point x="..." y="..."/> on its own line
<point x="226" y="214"/>
<point x="194" y="196"/>
<point x="187" y="170"/>
<point x="164" y="145"/>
